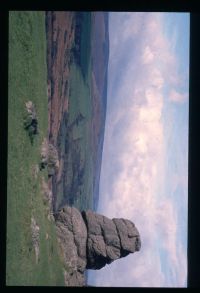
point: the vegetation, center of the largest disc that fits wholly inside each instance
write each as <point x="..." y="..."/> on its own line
<point x="25" y="205"/>
<point x="82" y="44"/>
<point x="32" y="248"/>
<point x="74" y="144"/>
<point x="75" y="187"/>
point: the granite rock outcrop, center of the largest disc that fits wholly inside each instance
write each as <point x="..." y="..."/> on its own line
<point x="108" y="240"/>
<point x="89" y="240"/>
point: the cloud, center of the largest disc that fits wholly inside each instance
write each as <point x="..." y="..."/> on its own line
<point x="176" y="97"/>
<point x="148" y="55"/>
<point x="134" y="150"/>
<point x="167" y="226"/>
<point x="157" y="79"/>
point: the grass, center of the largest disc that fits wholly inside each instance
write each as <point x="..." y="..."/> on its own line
<point x="85" y="43"/>
<point x="28" y="81"/>
<point x="75" y="134"/>
<point x="80" y="96"/>
<point x="80" y="102"/>
<point x="78" y="136"/>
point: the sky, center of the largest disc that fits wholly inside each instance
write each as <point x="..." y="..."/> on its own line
<point x="144" y="175"/>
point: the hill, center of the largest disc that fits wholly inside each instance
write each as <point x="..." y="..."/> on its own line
<point x="32" y="256"/>
<point x="77" y="80"/>
<point x="55" y="70"/>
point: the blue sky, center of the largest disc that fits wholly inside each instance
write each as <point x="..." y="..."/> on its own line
<point x="145" y="157"/>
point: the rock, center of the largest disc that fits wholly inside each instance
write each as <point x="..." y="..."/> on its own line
<point x="90" y="241"/>
<point x="44" y="152"/>
<point x="31" y="120"/>
<point x="72" y="237"/>
<point x="103" y="244"/>
<point x="49" y="157"/>
<point x="128" y="235"/>
<point x="35" y="237"/>
<point x="73" y="278"/>
<point x="109" y="239"/>
<point x="30" y="107"/>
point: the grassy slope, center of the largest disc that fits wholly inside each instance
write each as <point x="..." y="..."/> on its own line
<point x="27" y="81"/>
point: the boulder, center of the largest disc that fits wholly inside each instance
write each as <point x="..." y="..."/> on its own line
<point x="72" y="237"/>
<point x="89" y="240"/>
<point x="31" y="120"/>
<point x="128" y="235"/>
<point x="49" y="157"/>
<point x="108" y="240"/>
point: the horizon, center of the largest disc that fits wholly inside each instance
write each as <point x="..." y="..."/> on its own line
<point x="144" y="173"/>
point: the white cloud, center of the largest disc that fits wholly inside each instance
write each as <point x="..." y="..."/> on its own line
<point x="176" y="97"/>
<point x="134" y="138"/>
<point x="148" y="55"/>
<point x="157" y="78"/>
<point x="167" y="224"/>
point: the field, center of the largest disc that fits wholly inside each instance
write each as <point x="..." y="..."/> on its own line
<point x="86" y="44"/>
<point x="74" y="143"/>
<point x="28" y="81"/>
<point x="73" y="185"/>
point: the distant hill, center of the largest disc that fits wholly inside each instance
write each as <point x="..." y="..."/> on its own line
<point x="78" y="52"/>
<point x="100" y="56"/>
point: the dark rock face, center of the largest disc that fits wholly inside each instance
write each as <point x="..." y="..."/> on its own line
<point x="90" y="241"/>
<point x="108" y="240"/>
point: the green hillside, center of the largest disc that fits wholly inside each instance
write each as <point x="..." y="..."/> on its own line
<point x="25" y="200"/>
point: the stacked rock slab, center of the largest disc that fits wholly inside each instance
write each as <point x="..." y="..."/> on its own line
<point x="108" y="240"/>
<point x="90" y="241"/>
